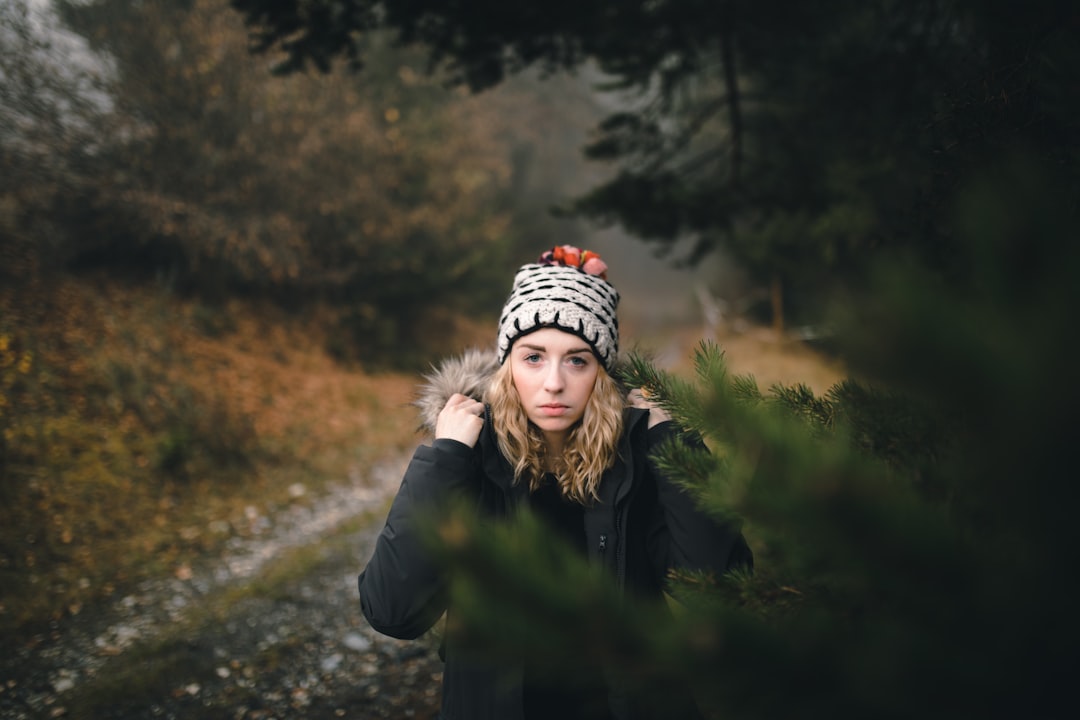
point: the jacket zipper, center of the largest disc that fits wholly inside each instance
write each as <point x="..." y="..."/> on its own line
<point x="619" y="569"/>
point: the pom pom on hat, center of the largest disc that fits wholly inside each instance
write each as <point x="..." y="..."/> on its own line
<point x="571" y="256"/>
<point x="567" y="289"/>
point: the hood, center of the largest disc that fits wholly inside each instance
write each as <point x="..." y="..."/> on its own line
<point x="468" y="374"/>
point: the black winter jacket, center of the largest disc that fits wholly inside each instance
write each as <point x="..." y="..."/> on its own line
<point x="642" y="526"/>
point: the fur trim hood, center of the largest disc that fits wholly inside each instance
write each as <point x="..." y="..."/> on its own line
<point x="468" y="374"/>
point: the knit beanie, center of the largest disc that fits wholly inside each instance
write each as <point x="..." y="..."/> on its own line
<point x="567" y="289"/>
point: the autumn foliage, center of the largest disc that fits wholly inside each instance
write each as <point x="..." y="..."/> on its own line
<point x="189" y="247"/>
<point x="384" y="192"/>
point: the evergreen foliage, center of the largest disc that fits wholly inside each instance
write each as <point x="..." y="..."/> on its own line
<point x="913" y="528"/>
<point x="806" y="140"/>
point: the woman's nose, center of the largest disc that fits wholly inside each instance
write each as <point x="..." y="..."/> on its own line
<point x="553" y="382"/>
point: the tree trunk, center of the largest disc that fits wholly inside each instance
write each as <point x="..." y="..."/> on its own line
<point x="776" y="298"/>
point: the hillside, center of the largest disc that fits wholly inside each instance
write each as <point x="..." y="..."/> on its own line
<point x="143" y="430"/>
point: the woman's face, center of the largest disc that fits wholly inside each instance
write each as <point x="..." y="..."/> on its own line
<point x="554" y="373"/>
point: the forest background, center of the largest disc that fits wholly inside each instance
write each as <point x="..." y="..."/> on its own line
<point x="897" y="178"/>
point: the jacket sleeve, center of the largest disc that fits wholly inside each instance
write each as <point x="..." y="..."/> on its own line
<point x="684" y="536"/>
<point x="402" y="588"/>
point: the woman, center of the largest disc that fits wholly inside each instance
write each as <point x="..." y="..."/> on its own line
<point x="541" y="423"/>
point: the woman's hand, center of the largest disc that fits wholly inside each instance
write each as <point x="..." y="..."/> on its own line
<point x="657" y="414"/>
<point x="460" y="419"/>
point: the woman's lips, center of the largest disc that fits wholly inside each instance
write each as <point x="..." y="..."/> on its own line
<point x="554" y="409"/>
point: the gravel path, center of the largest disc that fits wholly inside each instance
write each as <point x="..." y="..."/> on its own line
<point x="300" y="651"/>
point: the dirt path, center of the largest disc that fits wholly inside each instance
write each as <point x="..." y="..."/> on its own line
<point x="225" y="643"/>
<point x="221" y="640"/>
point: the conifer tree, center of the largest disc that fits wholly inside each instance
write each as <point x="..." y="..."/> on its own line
<point x="804" y="139"/>
<point x="912" y="527"/>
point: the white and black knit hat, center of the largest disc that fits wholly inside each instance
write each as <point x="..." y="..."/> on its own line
<point x="566" y="288"/>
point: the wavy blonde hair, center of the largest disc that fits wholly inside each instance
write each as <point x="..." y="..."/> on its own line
<point x="591" y="446"/>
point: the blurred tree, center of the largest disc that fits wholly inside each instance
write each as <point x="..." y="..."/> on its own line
<point x="543" y="123"/>
<point x="383" y="195"/>
<point x="53" y="109"/>
<point x="913" y="530"/>
<point x="804" y="139"/>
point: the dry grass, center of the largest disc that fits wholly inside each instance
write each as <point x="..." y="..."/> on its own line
<point x="776" y="360"/>
<point x="144" y="429"/>
<point x="757" y="351"/>
<point x="147" y="429"/>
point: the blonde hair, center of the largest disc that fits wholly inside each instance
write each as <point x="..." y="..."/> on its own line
<point x="591" y="446"/>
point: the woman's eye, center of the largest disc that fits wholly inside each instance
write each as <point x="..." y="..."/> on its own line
<point x="578" y="361"/>
<point x="532" y="358"/>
